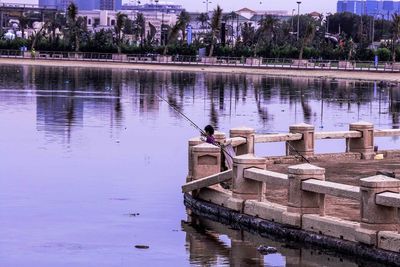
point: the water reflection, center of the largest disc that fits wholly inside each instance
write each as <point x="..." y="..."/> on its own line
<point x="306" y="99"/>
<point x="211" y="243"/>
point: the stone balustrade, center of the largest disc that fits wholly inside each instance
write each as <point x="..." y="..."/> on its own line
<point x="378" y="196"/>
<point x="301" y="139"/>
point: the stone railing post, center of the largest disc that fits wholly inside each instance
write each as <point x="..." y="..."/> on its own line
<point x="192" y="142"/>
<point x="246" y="189"/>
<point x="305" y="146"/>
<point x="374" y="217"/>
<point x="248" y="134"/>
<point x="300" y="201"/>
<point x="365" y="144"/>
<point x="206" y="160"/>
<point x="220" y="137"/>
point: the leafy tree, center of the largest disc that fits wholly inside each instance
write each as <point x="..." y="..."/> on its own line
<point x="384" y="54"/>
<point x="346" y="22"/>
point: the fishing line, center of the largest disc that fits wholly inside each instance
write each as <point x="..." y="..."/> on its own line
<point x="215" y="143"/>
<point x="192" y="123"/>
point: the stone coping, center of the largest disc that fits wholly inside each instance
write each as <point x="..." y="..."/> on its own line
<point x="380" y="181"/>
<point x="206" y="148"/>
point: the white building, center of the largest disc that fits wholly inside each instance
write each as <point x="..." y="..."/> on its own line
<point x="106" y="19"/>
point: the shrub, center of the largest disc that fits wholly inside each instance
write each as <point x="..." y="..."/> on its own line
<point x="383" y="54"/>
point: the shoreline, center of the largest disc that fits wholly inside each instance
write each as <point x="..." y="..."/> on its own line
<point x="275" y="72"/>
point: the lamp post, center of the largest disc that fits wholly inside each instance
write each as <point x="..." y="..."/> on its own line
<point x="298" y="19"/>
<point x="156" y="8"/>
<point x="293" y="10"/>
<point x="373" y="28"/>
<point x="207" y="2"/>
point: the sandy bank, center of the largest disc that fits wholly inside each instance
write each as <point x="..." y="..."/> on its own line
<point x="336" y="74"/>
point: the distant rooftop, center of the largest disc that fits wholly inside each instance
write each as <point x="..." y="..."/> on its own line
<point x="161" y="6"/>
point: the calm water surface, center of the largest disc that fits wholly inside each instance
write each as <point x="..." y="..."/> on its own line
<point x="92" y="161"/>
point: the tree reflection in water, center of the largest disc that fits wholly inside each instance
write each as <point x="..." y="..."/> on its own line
<point x="268" y="103"/>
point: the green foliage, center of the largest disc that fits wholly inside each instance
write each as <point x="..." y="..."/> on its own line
<point x="384" y="54"/>
<point x="15" y="44"/>
<point x="273" y="39"/>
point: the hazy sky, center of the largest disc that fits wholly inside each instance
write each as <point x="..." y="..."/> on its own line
<point x="198" y="5"/>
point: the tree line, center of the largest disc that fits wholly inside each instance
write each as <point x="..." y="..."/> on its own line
<point x="340" y="36"/>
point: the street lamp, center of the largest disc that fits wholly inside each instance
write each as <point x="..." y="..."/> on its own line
<point x="156" y="8"/>
<point x="293" y="10"/>
<point x="298" y="19"/>
<point x="207" y="2"/>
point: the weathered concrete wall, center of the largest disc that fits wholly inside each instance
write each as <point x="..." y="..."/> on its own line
<point x="268" y="229"/>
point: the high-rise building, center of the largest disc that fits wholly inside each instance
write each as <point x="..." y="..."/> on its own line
<point x="87" y="4"/>
<point x="376" y="8"/>
<point x="48" y="3"/>
<point x="110" y="4"/>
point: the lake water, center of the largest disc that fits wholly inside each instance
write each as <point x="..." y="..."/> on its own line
<point x="92" y="161"/>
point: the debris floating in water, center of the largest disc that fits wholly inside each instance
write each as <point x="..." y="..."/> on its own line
<point x="267" y="250"/>
<point x="134" y="214"/>
<point x="142" y="247"/>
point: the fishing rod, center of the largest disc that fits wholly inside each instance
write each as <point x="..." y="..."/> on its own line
<point x="204" y="133"/>
<point x="297" y="152"/>
<point x="182" y="114"/>
<point x="192" y="123"/>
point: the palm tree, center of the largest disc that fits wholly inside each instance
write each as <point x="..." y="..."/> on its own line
<point x="37" y="35"/>
<point x="248" y="34"/>
<point x="151" y="33"/>
<point x="233" y="16"/>
<point x="215" y="27"/>
<point x="266" y="29"/>
<point x="395" y="33"/>
<point x="140" y="28"/>
<point x="119" y="26"/>
<point x="23" y="23"/>
<point x="56" y="23"/>
<point x="183" y="21"/>
<point x="203" y="18"/>
<point x="307" y="38"/>
<point x="72" y="18"/>
<point x="172" y="35"/>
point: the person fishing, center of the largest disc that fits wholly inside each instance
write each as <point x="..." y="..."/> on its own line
<point x="208" y="135"/>
<point x="227" y="151"/>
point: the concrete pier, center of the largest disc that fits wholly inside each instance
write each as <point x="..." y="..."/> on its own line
<point x="338" y="196"/>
